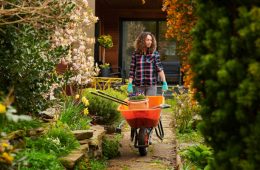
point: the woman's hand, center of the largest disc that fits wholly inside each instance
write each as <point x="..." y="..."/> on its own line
<point x="164" y="86"/>
<point x="130" y="88"/>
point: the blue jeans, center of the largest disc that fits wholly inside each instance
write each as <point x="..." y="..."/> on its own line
<point x="148" y="90"/>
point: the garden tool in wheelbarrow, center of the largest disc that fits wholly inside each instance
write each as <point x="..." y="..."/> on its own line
<point x="141" y="121"/>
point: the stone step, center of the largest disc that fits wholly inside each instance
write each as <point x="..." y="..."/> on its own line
<point x="35" y="132"/>
<point x="95" y="143"/>
<point x="98" y="133"/>
<point x="91" y="145"/>
<point x="82" y="134"/>
<point x="70" y="160"/>
<point x="84" y="148"/>
<point x="84" y="141"/>
<point x="96" y="139"/>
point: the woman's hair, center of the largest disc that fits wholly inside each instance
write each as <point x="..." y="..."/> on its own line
<point x="140" y="42"/>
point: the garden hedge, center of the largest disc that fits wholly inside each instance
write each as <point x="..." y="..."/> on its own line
<point x="226" y="63"/>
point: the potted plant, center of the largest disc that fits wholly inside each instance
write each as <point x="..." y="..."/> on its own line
<point x="138" y="101"/>
<point x="105" y="41"/>
<point x="140" y="97"/>
<point x="104" y="66"/>
<point x="105" y="69"/>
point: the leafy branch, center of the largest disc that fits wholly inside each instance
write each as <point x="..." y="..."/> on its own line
<point x="35" y="12"/>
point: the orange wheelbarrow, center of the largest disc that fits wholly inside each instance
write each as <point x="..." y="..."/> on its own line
<point x="141" y="121"/>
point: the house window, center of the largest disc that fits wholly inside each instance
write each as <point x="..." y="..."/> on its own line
<point x="131" y="29"/>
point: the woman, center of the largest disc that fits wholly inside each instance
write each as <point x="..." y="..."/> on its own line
<point x="145" y="66"/>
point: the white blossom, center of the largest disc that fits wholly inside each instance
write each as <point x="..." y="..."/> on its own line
<point x="75" y="36"/>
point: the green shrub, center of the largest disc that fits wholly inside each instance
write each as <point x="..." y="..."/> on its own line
<point x="225" y="60"/>
<point x="184" y="111"/>
<point x="35" y="160"/>
<point x="105" y="109"/>
<point x="97" y="164"/>
<point x="58" y="141"/>
<point x="191" y="137"/>
<point x="21" y="125"/>
<point x="27" y="64"/>
<point x="66" y="138"/>
<point x="199" y="155"/>
<point x="171" y="102"/>
<point x="123" y="90"/>
<point x="72" y="114"/>
<point x="43" y="152"/>
<point x="110" y="146"/>
<point x="82" y="164"/>
<point x="28" y="55"/>
<point x="188" y="166"/>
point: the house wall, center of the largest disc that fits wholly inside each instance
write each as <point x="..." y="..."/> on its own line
<point x="110" y="24"/>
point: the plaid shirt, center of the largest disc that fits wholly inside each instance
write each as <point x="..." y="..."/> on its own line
<point x="144" y="68"/>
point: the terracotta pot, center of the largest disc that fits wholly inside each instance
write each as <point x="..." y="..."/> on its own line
<point x="138" y="104"/>
<point x="61" y="68"/>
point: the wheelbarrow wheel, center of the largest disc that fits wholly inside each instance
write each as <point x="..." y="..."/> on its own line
<point x="143" y="137"/>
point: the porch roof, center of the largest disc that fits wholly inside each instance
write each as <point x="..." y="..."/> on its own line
<point x="130" y="4"/>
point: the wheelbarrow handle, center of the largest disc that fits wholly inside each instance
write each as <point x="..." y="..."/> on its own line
<point x="162" y="106"/>
<point x="122" y="101"/>
<point x="110" y="98"/>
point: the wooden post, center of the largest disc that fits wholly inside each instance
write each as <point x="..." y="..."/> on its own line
<point x="103" y="55"/>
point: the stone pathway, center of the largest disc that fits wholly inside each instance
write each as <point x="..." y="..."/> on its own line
<point x="161" y="154"/>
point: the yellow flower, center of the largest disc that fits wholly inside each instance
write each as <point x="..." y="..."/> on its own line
<point x="5" y="145"/>
<point x="7" y="157"/>
<point x="86" y="111"/>
<point x="77" y="96"/>
<point x="2" y="108"/>
<point x="85" y="101"/>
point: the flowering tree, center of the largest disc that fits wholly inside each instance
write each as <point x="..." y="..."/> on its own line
<point x="34" y="36"/>
<point x="180" y="21"/>
<point x="74" y="36"/>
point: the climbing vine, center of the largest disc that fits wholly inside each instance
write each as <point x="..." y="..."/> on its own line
<point x="180" y="21"/>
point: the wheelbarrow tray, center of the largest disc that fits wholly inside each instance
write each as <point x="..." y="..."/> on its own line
<point x="143" y="117"/>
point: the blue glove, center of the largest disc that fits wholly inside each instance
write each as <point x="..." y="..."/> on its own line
<point x="130" y="88"/>
<point x="164" y="86"/>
